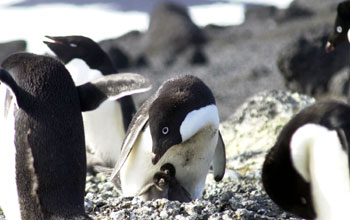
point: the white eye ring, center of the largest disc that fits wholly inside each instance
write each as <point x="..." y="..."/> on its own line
<point x="73" y="45"/>
<point x="165" y="130"/>
<point x="339" y="29"/>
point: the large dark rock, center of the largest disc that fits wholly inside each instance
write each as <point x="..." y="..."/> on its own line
<point x="254" y="12"/>
<point x="305" y="65"/>
<point x="251" y="131"/>
<point x="126" y="51"/>
<point x="11" y="47"/>
<point x="295" y="10"/>
<point x="258" y="13"/>
<point x="171" y="31"/>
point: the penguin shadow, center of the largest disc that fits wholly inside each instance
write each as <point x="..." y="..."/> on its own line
<point x="165" y="185"/>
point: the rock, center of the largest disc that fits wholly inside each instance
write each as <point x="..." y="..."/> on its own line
<point x="197" y="56"/>
<point x="252" y="130"/>
<point x="296" y="10"/>
<point x="259" y="71"/>
<point x="170" y="32"/>
<point x="127" y="47"/>
<point x="305" y="65"/>
<point x="11" y="47"/>
<point x="254" y="12"/>
<point x="248" y="134"/>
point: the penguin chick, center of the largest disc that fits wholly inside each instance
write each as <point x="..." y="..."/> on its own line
<point x="175" y="192"/>
<point x="157" y="189"/>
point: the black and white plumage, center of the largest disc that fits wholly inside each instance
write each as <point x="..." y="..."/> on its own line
<point x="341" y="29"/>
<point x="307" y="170"/>
<point x="177" y="125"/>
<point x="165" y="185"/>
<point x="176" y="192"/>
<point x="86" y="61"/>
<point x="42" y="155"/>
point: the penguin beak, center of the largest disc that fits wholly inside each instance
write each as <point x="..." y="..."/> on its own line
<point x="155" y="158"/>
<point x="55" y="41"/>
<point x="329" y="47"/>
<point x="157" y="154"/>
<point x="160" y="147"/>
<point x="60" y="47"/>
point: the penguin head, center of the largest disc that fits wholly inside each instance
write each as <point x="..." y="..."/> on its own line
<point x="183" y="107"/>
<point x="169" y="169"/>
<point x="161" y="180"/>
<point x="285" y="186"/>
<point x="69" y="47"/>
<point x="341" y="27"/>
<point x="36" y="79"/>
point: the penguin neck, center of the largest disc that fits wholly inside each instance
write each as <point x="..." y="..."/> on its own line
<point x="326" y="167"/>
<point x="81" y="71"/>
<point x="106" y="67"/>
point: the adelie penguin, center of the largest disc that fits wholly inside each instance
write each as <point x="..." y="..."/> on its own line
<point x="106" y="126"/>
<point x="307" y="170"/>
<point x="42" y="154"/>
<point x="341" y="32"/>
<point x="179" y="125"/>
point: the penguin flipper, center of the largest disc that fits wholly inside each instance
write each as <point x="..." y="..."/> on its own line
<point x="219" y="162"/>
<point x="112" y="87"/>
<point x="9" y="82"/>
<point x="139" y="120"/>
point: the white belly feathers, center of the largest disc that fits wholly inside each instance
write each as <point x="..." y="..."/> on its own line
<point x="191" y="160"/>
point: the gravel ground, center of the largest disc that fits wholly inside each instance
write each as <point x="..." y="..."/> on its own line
<point x="236" y="197"/>
<point x="240" y="195"/>
<point x="248" y="136"/>
<point x="242" y="62"/>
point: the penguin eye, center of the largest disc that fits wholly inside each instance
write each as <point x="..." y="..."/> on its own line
<point x="339" y="29"/>
<point x="165" y="130"/>
<point x="73" y="45"/>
